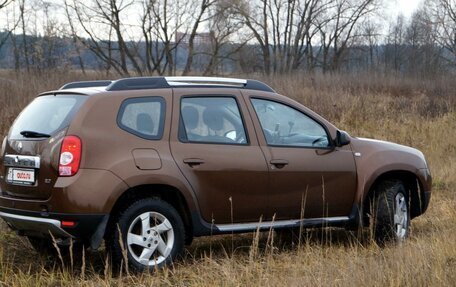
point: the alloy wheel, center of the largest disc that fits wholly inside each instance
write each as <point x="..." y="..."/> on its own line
<point x="401" y="220"/>
<point x="150" y="238"/>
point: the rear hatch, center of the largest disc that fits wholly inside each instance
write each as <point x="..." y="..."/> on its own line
<point x="30" y="152"/>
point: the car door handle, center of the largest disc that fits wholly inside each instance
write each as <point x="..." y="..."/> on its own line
<point x="279" y="163"/>
<point x="193" y="161"/>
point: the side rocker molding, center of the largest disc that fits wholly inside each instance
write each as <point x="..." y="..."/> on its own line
<point x="203" y="228"/>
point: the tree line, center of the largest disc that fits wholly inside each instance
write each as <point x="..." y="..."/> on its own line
<point x="146" y="37"/>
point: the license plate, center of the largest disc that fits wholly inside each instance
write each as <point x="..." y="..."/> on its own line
<point x="21" y="176"/>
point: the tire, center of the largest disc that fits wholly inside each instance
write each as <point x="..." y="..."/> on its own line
<point x="152" y="235"/>
<point x="45" y="246"/>
<point x="391" y="213"/>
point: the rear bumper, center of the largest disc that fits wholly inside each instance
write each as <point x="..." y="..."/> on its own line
<point x="35" y="225"/>
<point x="87" y="227"/>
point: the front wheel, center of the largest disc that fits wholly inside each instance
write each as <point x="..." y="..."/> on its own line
<point x="391" y="213"/>
<point x="152" y="234"/>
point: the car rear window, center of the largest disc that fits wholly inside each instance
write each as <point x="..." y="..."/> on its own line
<point x="47" y="114"/>
<point x="143" y="117"/>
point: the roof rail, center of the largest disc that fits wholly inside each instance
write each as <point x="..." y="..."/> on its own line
<point x="85" y="84"/>
<point x="141" y="83"/>
<point x="176" y="81"/>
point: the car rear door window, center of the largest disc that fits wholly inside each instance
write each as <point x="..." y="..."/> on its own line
<point x="143" y="117"/>
<point x="211" y="119"/>
<point x="285" y="126"/>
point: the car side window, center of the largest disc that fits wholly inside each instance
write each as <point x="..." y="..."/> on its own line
<point x="212" y="119"/>
<point x="285" y="126"/>
<point x="143" y="117"/>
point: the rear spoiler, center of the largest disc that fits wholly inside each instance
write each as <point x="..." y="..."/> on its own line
<point x="86" y="84"/>
<point x="64" y="92"/>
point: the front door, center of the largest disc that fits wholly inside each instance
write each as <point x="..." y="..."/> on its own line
<point x="307" y="177"/>
<point x="214" y="144"/>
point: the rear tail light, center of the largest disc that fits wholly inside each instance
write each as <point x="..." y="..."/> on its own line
<point x="70" y="156"/>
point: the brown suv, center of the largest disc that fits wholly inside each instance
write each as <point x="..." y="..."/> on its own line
<point x="153" y="162"/>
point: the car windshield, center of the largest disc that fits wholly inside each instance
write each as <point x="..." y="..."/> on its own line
<point x="46" y="115"/>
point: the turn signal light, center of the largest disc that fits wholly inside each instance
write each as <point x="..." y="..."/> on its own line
<point x="70" y="156"/>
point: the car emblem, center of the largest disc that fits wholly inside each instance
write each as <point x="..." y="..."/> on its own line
<point x="19" y="146"/>
<point x="16" y="159"/>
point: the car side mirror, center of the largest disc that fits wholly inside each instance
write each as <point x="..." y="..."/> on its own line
<point x="342" y="138"/>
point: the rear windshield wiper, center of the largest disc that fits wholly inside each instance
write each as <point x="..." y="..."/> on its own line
<point x="32" y="134"/>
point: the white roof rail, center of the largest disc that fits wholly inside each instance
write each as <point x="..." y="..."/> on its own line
<point x="177" y="81"/>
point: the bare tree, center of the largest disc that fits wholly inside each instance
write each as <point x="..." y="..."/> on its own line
<point x="106" y="34"/>
<point x="212" y="36"/>
<point x="284" y="30"/>
<point x="223" y="27"/>
<point x="256" y="19"/>
<point x="107" y="14"/>
<point x="301" y="47"/>
<point x="25" y="46"/>
<point x="160" y="24"/>
<point x="395" y="44"/>
<point x="74" y="36"/>
<point x="8" y="30"/>
<point x="45" y="47"/>
<point x="338" y="29"/>
<point x="443" y="18"/>
<point x="4" y="3"/>
<point x="370" y="33"/>
<point x="99" y="45"/>
<point x="423" y="55"/>
<point x="200" y="18"/>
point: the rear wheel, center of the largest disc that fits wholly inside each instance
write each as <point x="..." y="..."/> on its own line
<point x="391" y="212"/>
<point x="152" y="235"/>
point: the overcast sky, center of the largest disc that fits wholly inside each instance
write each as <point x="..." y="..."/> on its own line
<point x="406" y="7"/>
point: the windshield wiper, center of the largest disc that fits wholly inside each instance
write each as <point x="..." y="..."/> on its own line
<point x="32" y="134"/>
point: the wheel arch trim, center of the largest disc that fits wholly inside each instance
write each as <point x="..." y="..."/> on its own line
<point x="413" y="180"/>
<point x="179" y="198"/>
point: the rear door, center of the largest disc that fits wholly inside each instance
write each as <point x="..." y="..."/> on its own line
<point x="214" y="144"/>
<point x="31" y="150"/>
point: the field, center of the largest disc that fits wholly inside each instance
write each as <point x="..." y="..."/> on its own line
<point x="420" y="113"/>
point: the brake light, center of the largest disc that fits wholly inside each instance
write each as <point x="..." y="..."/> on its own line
<point x="70" y="156"/>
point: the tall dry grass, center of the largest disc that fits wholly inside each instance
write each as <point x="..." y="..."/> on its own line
<point x="417" y="113"/>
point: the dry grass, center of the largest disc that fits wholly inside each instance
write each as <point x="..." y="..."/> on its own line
<point x="416" y="113"/>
